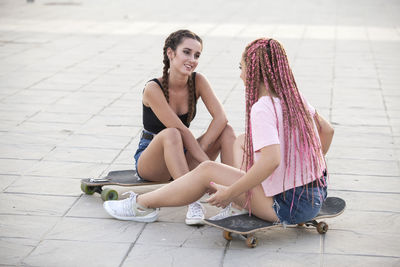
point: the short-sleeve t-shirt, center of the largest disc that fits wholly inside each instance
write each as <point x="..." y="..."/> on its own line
<point x="264" y="133"/>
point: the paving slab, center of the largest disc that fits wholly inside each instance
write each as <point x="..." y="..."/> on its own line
<point x="363" y="153"/>
<point x="359" y="260"/>
<point x="89" y="207"/>
<point x="163" y="234"/>
<point x="26" y="226"/>
<point x="16" y="166"/>
<point x="14" y="249"/>
<point x="44" y="186"/>
<point x="365" y="183"/>
<point x="288" y="240"/>
<point x="344" y="242"/>
<point x="95" y="230"/>
<point x="368" y="201"/>
<point x="68" y="253"/>
<point x="28" y="152"/>
<point x="31" y="204"/>
<point x="66" y="169"/>
<point x="88" y="155"/>
<point x="143" y="255"/>
<point x="270" y="258"/>
<point x="365" y="167"/>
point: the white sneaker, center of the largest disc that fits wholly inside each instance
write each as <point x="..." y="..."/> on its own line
<point x="128" y="210"/>
<point x="195" y="214"/>
<point x="227" y="212"/>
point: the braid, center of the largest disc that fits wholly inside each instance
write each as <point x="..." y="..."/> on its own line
<point x="173" y="40"/>
<point x="191" y="100"/>
<point x="165" y="75"/>
<point x="266" y="61"/>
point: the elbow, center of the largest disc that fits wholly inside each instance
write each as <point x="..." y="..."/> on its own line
<point x="276" y="163"/>
<point x="331" y="132"/>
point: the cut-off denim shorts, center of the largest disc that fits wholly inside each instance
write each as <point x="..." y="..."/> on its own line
<point x="143" y="144"/>
<point x="306" y="204"/>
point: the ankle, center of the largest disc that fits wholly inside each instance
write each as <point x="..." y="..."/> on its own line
<point x="139" y="202"/>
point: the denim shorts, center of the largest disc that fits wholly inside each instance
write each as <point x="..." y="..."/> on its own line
<point x="143" y="144"/>
<point x="299" y="204"/>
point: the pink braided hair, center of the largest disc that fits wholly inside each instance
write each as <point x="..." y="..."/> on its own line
<point x="266" y="61"/>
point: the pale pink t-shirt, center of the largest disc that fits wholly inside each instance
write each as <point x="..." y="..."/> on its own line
<point x="265" y="133"/>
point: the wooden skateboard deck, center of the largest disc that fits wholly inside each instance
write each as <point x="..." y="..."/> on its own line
<point x="121" y="178"/>
<point x="246" y="225"/>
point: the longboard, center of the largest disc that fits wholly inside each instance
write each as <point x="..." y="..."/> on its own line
<point x="121" y="178"/>
<point x="246" y="225"/>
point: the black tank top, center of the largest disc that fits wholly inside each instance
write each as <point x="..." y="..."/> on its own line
<point x="150" y="121"/>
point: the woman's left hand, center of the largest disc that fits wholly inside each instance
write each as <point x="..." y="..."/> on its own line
<point x="221" y="197"/>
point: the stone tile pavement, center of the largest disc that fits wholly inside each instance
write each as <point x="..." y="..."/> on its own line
<point x="71" y="76"/>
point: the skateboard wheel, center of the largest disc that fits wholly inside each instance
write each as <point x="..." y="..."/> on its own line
<point x="300" y="224"/>
<point x="109" y="194"/>
<point x="227" y="235"/>
<point x="322" y="227"/>
<point x="251" y="241"/>
<point x="89" y="190"/>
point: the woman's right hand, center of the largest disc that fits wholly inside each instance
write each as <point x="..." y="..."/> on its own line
<point x="221" y="196"/>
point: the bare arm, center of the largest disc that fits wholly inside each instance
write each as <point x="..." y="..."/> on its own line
<point x="154" y="98"/>
<point x="216" y="110"/>
<point x="267" y="163"/>
<point x="325" y="131"/>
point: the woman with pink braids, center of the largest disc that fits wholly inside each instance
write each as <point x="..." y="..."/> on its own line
<point x="282" y="152"/>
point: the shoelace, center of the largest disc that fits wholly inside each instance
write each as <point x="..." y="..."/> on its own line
<point x="127" y="208"/>
<point x="225" y="212"/>
<point x="196" y="209"/>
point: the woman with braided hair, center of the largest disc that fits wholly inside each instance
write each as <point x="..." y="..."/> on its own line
<point x="282" y="153"/>
<point x="169" y="105"/>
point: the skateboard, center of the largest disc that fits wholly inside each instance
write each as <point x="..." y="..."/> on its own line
<point x="122" y="178"/>
<point x="246" y="225"/>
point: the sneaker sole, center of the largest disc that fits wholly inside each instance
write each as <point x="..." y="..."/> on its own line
<point x="146" y="219"/>
<point x="194" y="221"/>
<point x="217" y="219"/>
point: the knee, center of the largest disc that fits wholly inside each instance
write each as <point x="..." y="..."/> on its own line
<point x="172" y="136"/>
<point x="206" y="166"/>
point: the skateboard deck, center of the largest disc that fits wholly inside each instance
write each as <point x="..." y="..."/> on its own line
<point x="246" y="225"/>
<point x="121" y="178"/>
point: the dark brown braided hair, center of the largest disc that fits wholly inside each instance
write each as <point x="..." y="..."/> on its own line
<point x="172" y="41"/>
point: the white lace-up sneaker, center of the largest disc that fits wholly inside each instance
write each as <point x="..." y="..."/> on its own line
<point x="195" y="214"/>
<point x="227" y="212"/>
<point x="129" y="210"/>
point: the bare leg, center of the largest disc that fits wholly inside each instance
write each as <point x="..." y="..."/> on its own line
<point x="223" y="145"/>
<point x="238" y="151"/>
<point x="164" y="157"/>
<point x="196" y="183"/>
<point x="224" y="142"/>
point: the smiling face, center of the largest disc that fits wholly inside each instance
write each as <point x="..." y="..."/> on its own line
<point x="186" y="56"/>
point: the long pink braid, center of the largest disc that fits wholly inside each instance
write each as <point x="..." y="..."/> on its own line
<point x="266" y="62"/>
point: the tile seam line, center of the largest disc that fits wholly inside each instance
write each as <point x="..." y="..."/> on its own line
<point x="378" y="75"/>
<point x="132" y="245"/>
